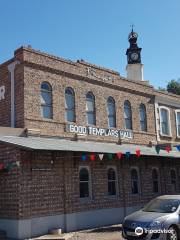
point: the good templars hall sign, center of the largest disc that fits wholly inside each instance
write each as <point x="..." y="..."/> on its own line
<point x="122" y="134"/>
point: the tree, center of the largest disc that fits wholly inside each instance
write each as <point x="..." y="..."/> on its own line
<point x="174" y="86"/>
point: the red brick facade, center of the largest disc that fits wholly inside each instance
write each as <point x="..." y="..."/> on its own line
<point x="47" y="182"/>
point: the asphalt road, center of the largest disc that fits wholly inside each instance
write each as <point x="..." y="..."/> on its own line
<point x="105" y="233"/>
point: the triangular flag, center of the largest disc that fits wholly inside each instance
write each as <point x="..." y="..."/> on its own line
<point x="1" y="166"/>
<point x="110" y="156"/>
<point x="84" y="157"/>
<point x="119" y="154"/>
<point x="178" y="147"/>
<point x="128" y="154"/>
<point x="10" y="166"/>
<point x="138" y="152"/>
<point x="168" y="149"/>
<point x="157" y="149"/>
<point x="101" y="156"/>
<point x="92" y="157"/>
<point x="18" y="163"/>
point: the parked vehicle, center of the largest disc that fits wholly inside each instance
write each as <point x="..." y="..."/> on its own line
<point x="159" y="219"/>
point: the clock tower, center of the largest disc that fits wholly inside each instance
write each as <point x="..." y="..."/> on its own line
<point x="134" y="67"/>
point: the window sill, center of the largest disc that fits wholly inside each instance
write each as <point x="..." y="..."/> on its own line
<point x="112" y="197"/>
<point x="85" y="200"/>
<point x="164" y="135"/>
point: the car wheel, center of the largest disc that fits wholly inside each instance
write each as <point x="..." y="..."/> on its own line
<point x="173" y="235"/>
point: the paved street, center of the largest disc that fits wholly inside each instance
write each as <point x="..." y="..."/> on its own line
<point x="105" y="233"/>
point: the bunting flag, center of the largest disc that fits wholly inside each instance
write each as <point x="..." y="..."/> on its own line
<point x="157" y="149"/>
<point x="92" y="157"/>
<point x="178" y="147"/>
<point x="168" y="149"/>
<point x="119" y="155"/>
<point x="110" y="156"/>
<point x="84" y="157"/>
<point x="138" y="153"/>
<point x="101" y="156"/>
<point x="128" y="154"/>
<point x="1" y="166"/>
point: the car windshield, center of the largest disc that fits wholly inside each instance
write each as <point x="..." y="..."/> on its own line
<point x="162" y="205"/>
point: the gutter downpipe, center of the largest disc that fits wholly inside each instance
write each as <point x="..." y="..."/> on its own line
<point x="11" y="68"/>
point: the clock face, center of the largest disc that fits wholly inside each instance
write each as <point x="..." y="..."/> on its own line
<point x="134" y="56"/>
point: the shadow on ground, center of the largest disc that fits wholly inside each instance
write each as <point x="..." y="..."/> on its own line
<point x="106" y="229"/>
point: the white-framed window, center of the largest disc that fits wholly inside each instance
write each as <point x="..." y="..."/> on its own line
<point x="70" y="104"/>
<point x="46" y="100"/>
<point x="155" y="180"/>
<point x="143" y="117"/>
<point x="165" y="123"/>
<point x="112" y="181"/>
<point x="111" y="111"/>
<point x="134" y="181"/>
<point x="84" y="182"/>
<point x="90" y="108"/>
<point x="177" y="112"/>
<point x="127" y="115"/>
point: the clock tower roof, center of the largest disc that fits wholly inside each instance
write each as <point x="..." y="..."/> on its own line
<point x="133" y="52"/>
<point x="134" y="67"/>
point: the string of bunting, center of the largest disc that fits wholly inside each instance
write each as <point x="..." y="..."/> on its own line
<point x="119" y="155"/>
<point x="8" y="166"/>
<point x="167" y="148"/>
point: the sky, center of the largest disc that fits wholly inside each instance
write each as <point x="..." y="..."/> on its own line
<point x="96" y="31"/>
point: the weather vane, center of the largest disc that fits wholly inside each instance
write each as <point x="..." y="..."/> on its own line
<point x="132" y="26"/>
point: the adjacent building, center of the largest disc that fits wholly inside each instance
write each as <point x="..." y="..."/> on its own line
<point x="81" y="146"/>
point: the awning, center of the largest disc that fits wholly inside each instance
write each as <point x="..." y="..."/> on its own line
<point x="55" y="144"/>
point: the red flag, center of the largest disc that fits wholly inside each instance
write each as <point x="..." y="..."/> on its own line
<point x="168" y="149"/>
<point x="138" y="153"/>
<point x="92" y="157"/>
<point x="1" y="166"/>
<point x="119" y="154"/>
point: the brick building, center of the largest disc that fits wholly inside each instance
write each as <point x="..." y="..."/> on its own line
<point x="81" y="146"/>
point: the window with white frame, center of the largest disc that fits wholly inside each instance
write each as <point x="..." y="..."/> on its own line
<point x="112" y="181"/>
<point x="111" y="110"/>
<point x="127" y="115"/>
<point x="143" y="118"/>
<point x="165" y="121"/>
<point x="70" y="104"/>
<point x="178" y="122"/>
<point x="90" y="108"/>
<point x="46" y="100"/>
<point x="84" y="183"/>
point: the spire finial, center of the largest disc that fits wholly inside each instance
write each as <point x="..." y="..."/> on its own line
<point x="132" y="26"/>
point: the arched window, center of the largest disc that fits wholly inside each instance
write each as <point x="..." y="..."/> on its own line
<point x="155" y="181"/>
<point x="90" y="108"/>
<point x="143" y="118"/>
<point x="173" y="180"/>
<point x="178" y="122"/>
<point x="46" y="100"/>
<point x="165" y="121"/>
<point x="70" y="105"/>
<point x="127" y="115"/>
<point x="112" y="182"/>
<point x="84" y="183"/>
<point x="111" y="112"/>
<point x="134" y="181"/>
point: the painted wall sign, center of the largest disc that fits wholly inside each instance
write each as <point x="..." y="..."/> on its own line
<point x="105" y="78"/>
<point x="2" y="93"/>
<point x="122" y="134"/>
